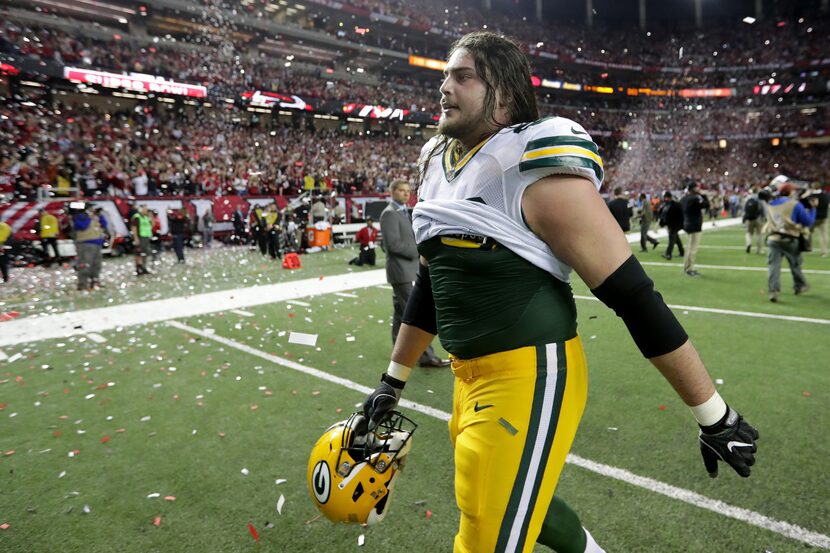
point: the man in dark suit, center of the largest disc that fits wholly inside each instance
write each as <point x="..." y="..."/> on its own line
<point x="694" y="205"/>
<point x="620" y="209"/>
<point x="402" y="261"/>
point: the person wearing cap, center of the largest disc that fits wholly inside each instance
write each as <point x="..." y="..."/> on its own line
<point x="787" y="219"/>
<point x="367" y="237"/>
<point x="694" y="205"/>
<point x="89" y="240"/>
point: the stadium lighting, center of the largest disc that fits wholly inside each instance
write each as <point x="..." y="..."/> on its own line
<point x="749" y="20"/>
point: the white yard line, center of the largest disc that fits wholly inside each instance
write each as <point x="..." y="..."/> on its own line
<point x="786" y="529"/>
<point x="726" y="267"/>
<point x="61" y="325"/>
<point x="736" y="313"/>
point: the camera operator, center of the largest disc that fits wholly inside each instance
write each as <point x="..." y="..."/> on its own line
<point x="89" y="241"/>
<point x="787" y="225"/>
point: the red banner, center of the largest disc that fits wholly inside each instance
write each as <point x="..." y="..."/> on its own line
<point x="136" y="82"/>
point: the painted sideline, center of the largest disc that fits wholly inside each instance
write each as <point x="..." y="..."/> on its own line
<point x="61" y="325"/>
<point x="728" y="267"/>
<point x="716" y="506"/>
<point x="792" y="318"/>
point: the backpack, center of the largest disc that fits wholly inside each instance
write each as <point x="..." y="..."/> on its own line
<point x="752" y="209"/>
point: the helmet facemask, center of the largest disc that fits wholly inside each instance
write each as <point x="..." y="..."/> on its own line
<point x="352" y="472"/>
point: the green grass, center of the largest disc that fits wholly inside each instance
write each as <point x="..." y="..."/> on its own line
<point x="766" y="365"/>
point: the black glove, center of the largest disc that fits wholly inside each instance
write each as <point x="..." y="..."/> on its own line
<point x="731" y="440"/>
<point x="382" y="400"/>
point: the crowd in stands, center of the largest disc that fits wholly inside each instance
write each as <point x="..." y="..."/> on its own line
<point x="161" y="152"/>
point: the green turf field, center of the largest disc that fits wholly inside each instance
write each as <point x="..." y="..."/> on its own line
<point x="159" y="409"/>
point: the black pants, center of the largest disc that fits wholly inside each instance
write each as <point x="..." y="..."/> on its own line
<point x="178" y="246"/>
<point x="46" y="243"/>
<point x="274" y="244"/>
<point x="365" y="257"/>
<point x="4" y="264"/>
<point x="674" y="238"/>
<point x="400" y="295"/>
<point x="262" y="241"/>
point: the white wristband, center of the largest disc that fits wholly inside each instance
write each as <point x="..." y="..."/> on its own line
<point x="710" y="411"/>
<point x="398" y="371"/>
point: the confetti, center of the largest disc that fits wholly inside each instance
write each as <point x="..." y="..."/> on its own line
<point x="153" y="495"/>
<point x="170" y="498"/>
<point x="718" y="381"/>
<point x="361" y="539"/>
<point x="279" y="481"/>
<point x="245" y="472"/>
<point x="280" y="503"/>
<point x="253" y="532"/>
<point x="4" y="526"/>
<point x="157" y="521"/>
<point x="97" y="338"/>
<point x="302" y="339"/>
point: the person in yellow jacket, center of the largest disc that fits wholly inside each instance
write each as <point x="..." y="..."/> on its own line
<point x="48" y="233"/>
<point x="5" y="236"/>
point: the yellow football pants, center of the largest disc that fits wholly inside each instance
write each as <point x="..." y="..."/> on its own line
<point x="515" y="414"/>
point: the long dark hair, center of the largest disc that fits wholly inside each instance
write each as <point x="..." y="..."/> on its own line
<point x="505" y="70"/>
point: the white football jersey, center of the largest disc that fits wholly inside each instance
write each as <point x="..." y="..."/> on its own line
<point x="481" y="193"/>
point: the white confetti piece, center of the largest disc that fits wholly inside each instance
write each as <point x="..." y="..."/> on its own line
<point x="245" y="472"/>
<point x="302" y="339"/>
<point x="15" y="357"/>
<point x="194" y="432"/>
<point x="279" y="481"/>
<point x="97" y="338"/>
<point x="87" y="509"/>
<point x="718" y="381"/>
<point x="62" y="474"/>
<point x="613" y="428"/>
<point x="280" y="503"/>
<point x="153" y="495"/>
<point x="361" y="539"/>
<point x="350" y="338"/>
<point x="145" y="418"/>
<point x="281" y="333"/>
<point x="89" y="396"/>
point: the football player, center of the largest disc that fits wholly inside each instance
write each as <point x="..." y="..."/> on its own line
<point x="508" y="206"/>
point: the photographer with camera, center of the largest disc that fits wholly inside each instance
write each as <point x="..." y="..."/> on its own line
<point x="89" y="241"/>
<point x="788" y="224"/>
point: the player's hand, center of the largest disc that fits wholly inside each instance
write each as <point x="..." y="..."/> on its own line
<point x="732" y="440"/>
<point x="382" y="400"/>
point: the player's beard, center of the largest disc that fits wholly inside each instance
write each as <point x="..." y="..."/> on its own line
<point x="460" y="125"/>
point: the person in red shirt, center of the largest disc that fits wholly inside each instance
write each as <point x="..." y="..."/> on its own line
<point x="367" y="237"/>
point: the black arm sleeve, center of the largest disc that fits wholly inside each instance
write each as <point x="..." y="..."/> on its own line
<point x="420" y="309"/>
<point x="631" y="294"/>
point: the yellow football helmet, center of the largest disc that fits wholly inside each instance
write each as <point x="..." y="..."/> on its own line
<point x="352" y="472"/>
